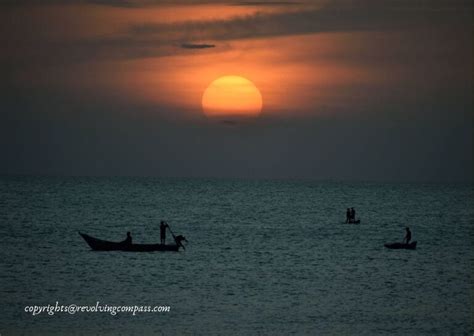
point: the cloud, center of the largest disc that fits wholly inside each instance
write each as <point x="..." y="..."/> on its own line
<point x="368" y="17"/>
<point x="267" y="3"/>
<point x="111" y="3"/>
<point x="197" y="45"/>
<point x="163" y="39"/>
<point x="96" y="123"/>
<point x="435" y="4"/>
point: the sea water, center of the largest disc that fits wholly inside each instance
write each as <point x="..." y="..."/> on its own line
<point x="265" y="257"/>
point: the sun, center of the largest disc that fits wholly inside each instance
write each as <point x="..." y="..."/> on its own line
<point x="232" y="96"/>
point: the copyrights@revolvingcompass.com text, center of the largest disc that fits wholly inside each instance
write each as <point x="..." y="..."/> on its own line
<point x="97" y="308"/>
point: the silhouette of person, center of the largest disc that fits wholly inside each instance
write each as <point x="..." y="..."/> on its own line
<point x="179" y="239"/>
<point x="348" y="215"/>
<point x="163" y="227"/>
<point x="353" y="215"/>
<point x="407" y="236"/>
<point x="128" y="240"/>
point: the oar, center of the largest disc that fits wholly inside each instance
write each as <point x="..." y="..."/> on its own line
<point x="169" y="228"/>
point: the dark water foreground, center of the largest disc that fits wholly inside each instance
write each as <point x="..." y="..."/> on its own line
<point x="265" y="257"/>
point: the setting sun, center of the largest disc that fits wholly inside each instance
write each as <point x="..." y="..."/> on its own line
<point x="232" y="96"/>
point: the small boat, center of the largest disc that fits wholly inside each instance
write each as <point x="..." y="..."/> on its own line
<point x="411" y="246"/>
<point x="104" y="245"/>
<point x="354" y="222"/>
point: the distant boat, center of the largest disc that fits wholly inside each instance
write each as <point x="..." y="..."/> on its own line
<point x="411" y="246"/>
<point x="104" y="245"/>
<point x="354" y="222"/>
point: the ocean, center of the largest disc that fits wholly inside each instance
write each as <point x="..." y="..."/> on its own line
<point x="265" y="257"/>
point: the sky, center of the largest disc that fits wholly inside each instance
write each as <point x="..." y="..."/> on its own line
<point x="364" y="90"/>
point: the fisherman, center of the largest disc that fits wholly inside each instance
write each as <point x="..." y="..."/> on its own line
<point x="348" y="215"/>
<point x="163" y="226"/>
<point x="179" y="239"/>
<point x="407" y="236"/>
<point x="128" y="240"/>
<point x="353" y="215"/>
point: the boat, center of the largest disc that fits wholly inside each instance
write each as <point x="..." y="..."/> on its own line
<point x="410" y="246"/>
<point x="354" y="222"/>
<point x="104" y="245"/>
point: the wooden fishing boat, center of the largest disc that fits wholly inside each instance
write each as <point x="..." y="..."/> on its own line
<point x="411" y="246"/>
<point x="104" y="245"/>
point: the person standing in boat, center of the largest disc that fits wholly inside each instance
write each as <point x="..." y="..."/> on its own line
<point x="348" y="215"/>
<point x="163" y="227"/>
<point x="128" y="240"/>
<point x="352" y="216"/>
<point x="407" y="238"/>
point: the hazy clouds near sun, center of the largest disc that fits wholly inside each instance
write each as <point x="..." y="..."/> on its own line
<point x="95" y="87"/>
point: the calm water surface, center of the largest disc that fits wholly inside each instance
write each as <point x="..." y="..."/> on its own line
<point x="264" y="257"/>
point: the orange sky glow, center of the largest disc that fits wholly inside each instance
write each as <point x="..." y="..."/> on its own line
<point x="118" y="86"/>
<point x="297" y="74"/>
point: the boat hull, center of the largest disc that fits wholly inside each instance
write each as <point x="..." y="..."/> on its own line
<point x="104" y="245"/>
<point x="411" y="246"/>
<point x="354" y="222"/>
